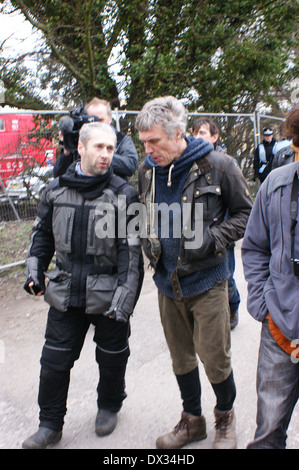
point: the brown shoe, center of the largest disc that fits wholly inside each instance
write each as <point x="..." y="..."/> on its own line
<point x="225" y="425"/>
<point x="190" y="428"/>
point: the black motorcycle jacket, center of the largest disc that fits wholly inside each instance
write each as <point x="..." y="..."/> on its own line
<point x="97" y="260"/>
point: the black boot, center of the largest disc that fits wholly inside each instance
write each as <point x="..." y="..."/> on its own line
<point x="111" y="386"/>
<point x="111" y="389"/>
<point x="52" y="397"/>
<point x="42" y="438"/>
<point x="105" y="422"/>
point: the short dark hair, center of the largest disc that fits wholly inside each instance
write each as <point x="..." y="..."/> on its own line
<point x="96" y="101"/>
<point x="291" y="125"/>
<point x="203" y="121"/>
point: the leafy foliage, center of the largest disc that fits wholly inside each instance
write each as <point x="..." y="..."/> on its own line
<point x="220" y="56"/>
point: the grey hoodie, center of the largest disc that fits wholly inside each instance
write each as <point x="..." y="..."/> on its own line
<point x="266" y="254"/>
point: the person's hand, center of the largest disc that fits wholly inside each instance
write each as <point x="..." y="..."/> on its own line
<point x="117" y="309"/>
<point x="117" y="315"/>
<point x="34" y="288"/>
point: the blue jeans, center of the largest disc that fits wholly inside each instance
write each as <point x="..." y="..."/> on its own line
<point x="278" y="393"/>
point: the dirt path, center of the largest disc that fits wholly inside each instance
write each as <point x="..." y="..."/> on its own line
<point x="153" y="404"/>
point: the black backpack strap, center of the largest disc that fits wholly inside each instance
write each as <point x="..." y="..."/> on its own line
<point x="294" y="211"/>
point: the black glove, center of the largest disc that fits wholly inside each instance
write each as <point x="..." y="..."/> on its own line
<point x="35" y="274"/>
<point x="35" y="289"/>
<point x="117" y="310"/>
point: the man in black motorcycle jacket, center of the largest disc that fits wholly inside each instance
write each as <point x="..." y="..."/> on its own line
<point x="96" y="280"/>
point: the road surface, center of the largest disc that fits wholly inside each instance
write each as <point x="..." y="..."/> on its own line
<point x="153" y="405"/>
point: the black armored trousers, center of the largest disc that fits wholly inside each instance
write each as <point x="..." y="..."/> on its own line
<point x="64" y="339"/>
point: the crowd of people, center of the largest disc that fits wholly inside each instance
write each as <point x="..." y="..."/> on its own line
<point x="98" y="273"/>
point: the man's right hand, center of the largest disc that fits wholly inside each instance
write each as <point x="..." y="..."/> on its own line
<point x="32" y="288"/>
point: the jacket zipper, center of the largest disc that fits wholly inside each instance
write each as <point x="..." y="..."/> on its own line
<point x="281" y="231"/>
<point x="68" y="223"/>
<point x="81" y="251"/>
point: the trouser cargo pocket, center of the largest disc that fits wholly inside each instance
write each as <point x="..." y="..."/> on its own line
<point x="57" y="292"/>
<point x="100" y="289"/>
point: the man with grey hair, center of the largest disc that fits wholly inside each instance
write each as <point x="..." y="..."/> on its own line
<point x="190" y="264"/>
<point x="96" y="281"/>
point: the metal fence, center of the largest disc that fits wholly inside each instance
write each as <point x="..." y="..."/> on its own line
<point x="20" y="193"/>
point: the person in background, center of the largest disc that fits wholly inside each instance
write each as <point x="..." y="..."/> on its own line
<point x="289" y="153"/>
<point x="65" y="157"/>
<point x="125" y="158"/>
<point x="96" y="281"/>
<point x="186" y="174"/>
<point x="263" y="155"/>
<point x="206" y="129"/>
<point x="284" y="142"/>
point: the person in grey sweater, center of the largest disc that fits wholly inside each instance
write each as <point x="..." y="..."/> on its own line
<point x="270" y="253"/>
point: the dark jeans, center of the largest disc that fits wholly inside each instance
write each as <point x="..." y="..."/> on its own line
<point x="65" y="335"/>
<point x="278" y="393"/>
<point x="233" y="293"/>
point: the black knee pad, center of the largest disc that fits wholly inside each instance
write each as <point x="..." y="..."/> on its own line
<point x="57" y="359"/>
<point x="112" y="358"/>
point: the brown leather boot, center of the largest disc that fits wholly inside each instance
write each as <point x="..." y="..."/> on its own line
<point x="225" y="425"/>
<point x="190" y="428"/>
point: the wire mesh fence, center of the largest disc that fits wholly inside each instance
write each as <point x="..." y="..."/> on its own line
<point x="29" y="145"/>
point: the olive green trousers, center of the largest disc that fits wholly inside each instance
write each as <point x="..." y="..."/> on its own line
<point x="199" y="326"/>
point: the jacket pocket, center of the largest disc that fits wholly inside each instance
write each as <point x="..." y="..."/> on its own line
<point x="209" y="196"/>
<point x="58" y="289"/>
<point x="100" y="289"/>
<point x="100" y="242"/>
<point x="269" y="286"/>
<point x="63" y="221"/>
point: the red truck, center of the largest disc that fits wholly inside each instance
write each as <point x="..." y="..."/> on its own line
<point x="26" y="140"/>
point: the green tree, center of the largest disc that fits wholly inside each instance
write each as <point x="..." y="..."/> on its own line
<point x="220" y="56"/>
